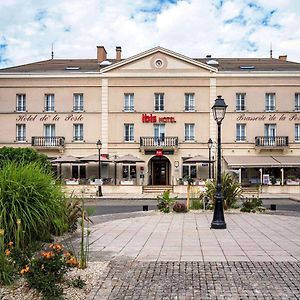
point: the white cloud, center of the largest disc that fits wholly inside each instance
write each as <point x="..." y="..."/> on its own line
<point x="194" y="28"/>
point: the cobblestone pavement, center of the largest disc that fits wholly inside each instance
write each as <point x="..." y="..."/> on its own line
<point x="177" y="256"/>
<point x="127" y="279"/>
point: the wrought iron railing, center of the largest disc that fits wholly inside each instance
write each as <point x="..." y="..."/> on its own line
<point x="41" y="141"/>
<point x="272" y="141"/>
<point x="170" y="141"/>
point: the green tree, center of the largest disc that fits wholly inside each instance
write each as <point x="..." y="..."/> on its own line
<point x="23" y="156"/>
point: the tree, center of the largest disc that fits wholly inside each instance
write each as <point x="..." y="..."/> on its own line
<point x="23" y="156"/>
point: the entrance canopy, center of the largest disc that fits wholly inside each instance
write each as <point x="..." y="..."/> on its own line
<point x="243" y="161"/>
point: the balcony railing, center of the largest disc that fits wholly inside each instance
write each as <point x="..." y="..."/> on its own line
<point x="171" y="141"/>
<point x="52" y="142"/>
<point x="272" y="141"/>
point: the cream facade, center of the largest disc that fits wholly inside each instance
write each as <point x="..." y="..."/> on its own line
<point x="156" y="107"/>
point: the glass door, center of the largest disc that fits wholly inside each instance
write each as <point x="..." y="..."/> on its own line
<point x="49" y="134"/>
<point x="159" y="134"/>
<point x="270" y="134"/>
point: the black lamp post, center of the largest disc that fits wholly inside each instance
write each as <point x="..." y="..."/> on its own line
<point x="99" y="146"/>
<point x="209" y="144"/>
<point x="218" y="222"/>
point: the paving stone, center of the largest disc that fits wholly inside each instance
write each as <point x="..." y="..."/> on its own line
<point x="129" y="279"/>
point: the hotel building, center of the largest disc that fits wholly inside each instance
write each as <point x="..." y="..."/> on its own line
<point x="152" y="113"/>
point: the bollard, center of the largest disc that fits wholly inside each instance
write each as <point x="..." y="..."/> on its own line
<point x="145" y="207"/>
<point x="273" y="207"/>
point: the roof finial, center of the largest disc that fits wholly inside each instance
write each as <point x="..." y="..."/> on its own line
<point x="271" y="51"/>
<point x="52" y="52"/>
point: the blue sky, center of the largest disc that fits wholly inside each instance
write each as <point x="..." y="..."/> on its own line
<point x="221" y="28"/>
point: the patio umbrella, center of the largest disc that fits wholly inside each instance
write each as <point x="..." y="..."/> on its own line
<point x="196" y="159"/>
<point x="65" y="159"/>
<point x="128" y="159"/>
<point x="94" y="158"/>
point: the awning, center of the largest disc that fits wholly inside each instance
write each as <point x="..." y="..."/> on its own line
<point x="288" y="161"/>
<point x="128" y="159"/>
<point x="243" y="161"/>
<point x="196" y="159"/>
<point x="66" y="159"/>
<point x="94" y="158"/>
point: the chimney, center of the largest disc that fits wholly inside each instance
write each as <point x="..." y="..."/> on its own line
<point x="101" y="54"/>
<point x="118" y="53"/>
<point x="282" y="57"/>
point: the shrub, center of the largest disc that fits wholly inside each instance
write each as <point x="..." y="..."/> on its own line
<point x="30" y="202"/>
<point x="252" y="205"/>
<point x="231" y="190"/>
<point x="46" y="270"/>
<point x="165" y="201"/>
<point x="179" y="207"/>
<point x="197" y="204"/>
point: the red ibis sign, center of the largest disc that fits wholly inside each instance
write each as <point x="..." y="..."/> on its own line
<point x="158" y="152"/>
<point x="149" y="118"/>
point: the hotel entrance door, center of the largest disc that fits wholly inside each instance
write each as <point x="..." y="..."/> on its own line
<point x="160" y="171"/>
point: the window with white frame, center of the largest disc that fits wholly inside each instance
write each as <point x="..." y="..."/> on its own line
<point x="128" y="132"/>
<point x="159" y="102"/>
<point x="189" y="132"/>
<point x="77" y="102"/>
<point x="21" y="133"/>
<point x="189" y="101"/>
<point x="49" y="102"/>
<point x="297" y="101"/>
<point x="129" y="102"/>
<point x="21" y="102"/>
<point x="77" y="132"/>
<point x="240" y="101"/>
<point x="270" y="102"/>
<point x="297" y="132"/>
<point x="240" y="132"/>
<point x="189" y="171"/>
<point x="129" y="172"/>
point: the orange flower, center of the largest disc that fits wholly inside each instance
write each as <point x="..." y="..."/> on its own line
<point x="57" y="247"/>
<point x="7" y="252"/>
<point x="47" y="255"/>
<point x="10" y="243"/>
<point x="25" y="269"/>
<point x="72" y="261"/>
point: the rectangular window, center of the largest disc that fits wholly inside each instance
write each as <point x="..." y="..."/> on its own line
<point x="189" y="132"/>
<point x="49" y="102"/>
<point x="129" y="172"/>
<point x="240" y="132"/>
<point x="129" y="102"/>
<point x="240" y="101"/>
<point x="189" y="170"/>
<point x="297" y="102"/>
<point x="21" y="133"/>
<point x="77" y="102"/>
<point x="270" y="102"/>
<point x="21" y="102"/>
<point x="77" y="132"/>
<point x="189" y="101"/>
<point x="159" y="102"/>
<point x="128" y="132"/>
<point x="297" y="132"/>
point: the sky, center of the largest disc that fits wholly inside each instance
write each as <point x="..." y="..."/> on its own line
<point x="195" y="28"/>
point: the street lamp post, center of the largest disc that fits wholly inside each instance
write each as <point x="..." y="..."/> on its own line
<point x="209" y="143"/>
<point x="218" y="222"/>
<point x="99" y="146"/>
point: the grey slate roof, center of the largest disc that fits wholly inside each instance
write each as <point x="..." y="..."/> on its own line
<point x="91" y="65"/>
